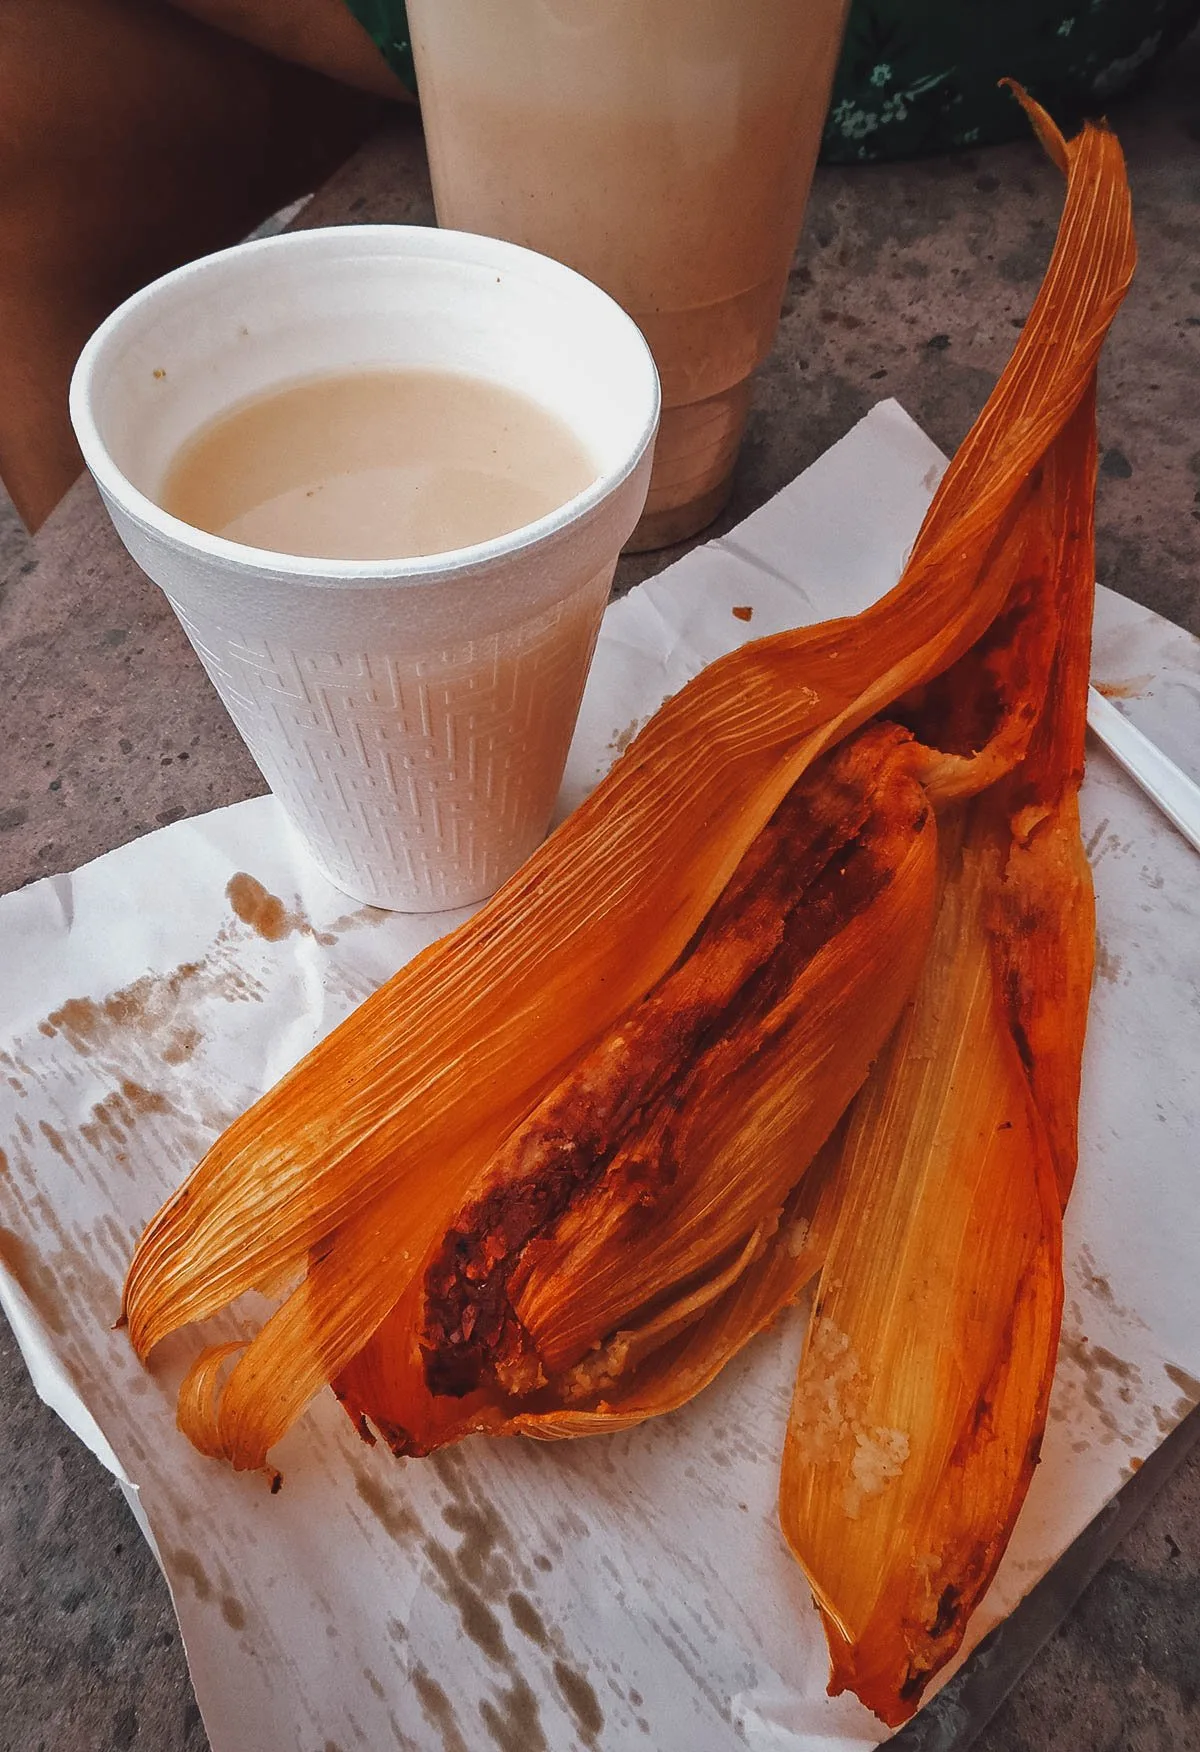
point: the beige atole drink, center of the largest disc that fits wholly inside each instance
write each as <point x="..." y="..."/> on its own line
<point x="665" y="149"/>
<point x="376" y="465"/>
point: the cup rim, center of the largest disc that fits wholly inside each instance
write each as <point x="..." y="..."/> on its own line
<point x="426" y="242"/>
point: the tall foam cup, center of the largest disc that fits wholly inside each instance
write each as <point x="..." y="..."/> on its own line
<point x="665" y="149"/>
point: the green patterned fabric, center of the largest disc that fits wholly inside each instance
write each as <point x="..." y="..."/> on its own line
<point x="920" y="76"/>
<point x="386" y="24"/>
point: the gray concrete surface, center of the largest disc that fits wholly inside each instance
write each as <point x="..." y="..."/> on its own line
<point x="911" y="281"/>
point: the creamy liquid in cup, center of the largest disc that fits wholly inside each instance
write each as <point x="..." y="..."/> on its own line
<point x="383" y="464"/>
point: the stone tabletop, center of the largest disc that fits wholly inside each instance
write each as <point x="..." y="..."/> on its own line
<point x="910" y="281"/>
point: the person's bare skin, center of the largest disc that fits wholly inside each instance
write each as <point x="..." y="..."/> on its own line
<point x="134" y="135"/>
<point x="321" y="34"/>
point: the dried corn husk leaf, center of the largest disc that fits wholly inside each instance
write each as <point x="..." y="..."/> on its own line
<point x="921" y="1399"/>
<point x="353" y="1167"/>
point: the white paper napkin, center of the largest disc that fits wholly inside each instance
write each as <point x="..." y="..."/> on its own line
<point x="622" y="1591"/>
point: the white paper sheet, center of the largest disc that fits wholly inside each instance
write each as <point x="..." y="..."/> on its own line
<point x="631" y="1590"/>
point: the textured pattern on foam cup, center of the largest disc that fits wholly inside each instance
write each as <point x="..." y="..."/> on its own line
<point x="419" y="780"/>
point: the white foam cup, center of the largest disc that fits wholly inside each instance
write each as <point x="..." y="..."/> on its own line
<point x="412" y="715"/>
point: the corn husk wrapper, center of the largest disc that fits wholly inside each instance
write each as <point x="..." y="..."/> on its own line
<point x="663" y="1161"/>
<point x="357" y="1171"/>
<point x="921" y="1398"/>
